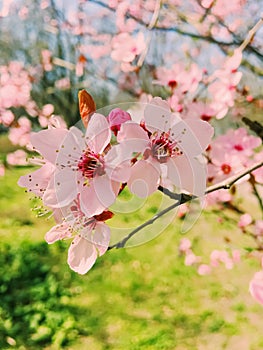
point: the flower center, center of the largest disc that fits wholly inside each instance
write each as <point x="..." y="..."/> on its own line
<point x="91" y="164"/>
<point x="172" y="84"/>
<point x="238" y="147"/>
<point x="162" y="148"/>
<point x="226" y="168"/>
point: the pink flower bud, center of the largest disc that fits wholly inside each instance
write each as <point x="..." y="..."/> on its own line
<point x="185" y="245"/>
<point x="244" y="220"/>
<point x="116" y="117"/>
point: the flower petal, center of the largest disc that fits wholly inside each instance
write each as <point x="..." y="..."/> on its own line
<point x="37" y="181"/>
<point x="98" y="133"/>
<point x="193" y="136"/>
<point x="130" y="131"/>
<point x="157" y="115"/>
<point x="188" y="174"/>
<point x="102" y="237"/>
<point x="48" y="142"/>
<point x="71" y="149"/>
<point x="98" y="195"/>
<point x="58" y="232"/>
<point x="117" y="163"/>
<point x="62" y="189"/>
<point x="81" y="255"/>
<point x="144" y="178"/>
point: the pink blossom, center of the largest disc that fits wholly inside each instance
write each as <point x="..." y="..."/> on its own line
<point x="223" y="87"/>
<point x="244" y="220"/>
<point x="169" y="77"/>
<point x="204" y="269"/>
<point x="182" y="210"/>
<point x="45" y="114"/>
<point x="185" y="245"/>
<point x="81" y="166"/>
<point x="6" y="117"/>
<point x="256" y="287"/>
<point x="230" y="153"/>
<point x="116" y="117"/>
<point x="191" y="259"/>
<point x="15" y="85"/>
<point x="178" y="77"/>
<point x="47" y="60"/>
<point x="220" y="196"/>
<point x="258" y="231"/>
<point x="164" y="139"/>
<point x="63" y="83"/>
<point x="37" y="181"/>
<point x="20" y="134"/>
<point x="5" y="10"/>
<point x="215" y="258"/>
<point x="125" y="47"/>
<point x="222" y="8"/>
<point x="91" y="237"/>
<point x="18" y="157"/>
<point x="237" y="143"/>
<point x="198" y="110"/>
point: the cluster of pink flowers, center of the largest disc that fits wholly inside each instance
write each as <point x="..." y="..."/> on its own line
<point x="231" y="153"/>
<point x="15" y="86"/>
<point x="217" y="257"/>
<point x="83" y="173"/>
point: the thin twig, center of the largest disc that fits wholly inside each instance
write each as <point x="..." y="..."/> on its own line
<point x="151" y="25"/>
<point x="230" y="182"/>
<point x="251" y="35"/>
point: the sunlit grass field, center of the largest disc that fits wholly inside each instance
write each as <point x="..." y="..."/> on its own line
<point x="136" y="298"/>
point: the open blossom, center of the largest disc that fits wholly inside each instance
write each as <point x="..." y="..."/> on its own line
<point x="44" y="115"/>
<point x="6" y="117"/>
<point x="125" y="47"/>
<point x="81" y="166"/>
<point x="245" y="220"/>
<point x="20" y="134"/>
<point x="164" y="140"/>
<point x="178" y="77"/>
<point x="231" y="153"/>
<point x="18" y="157"/>
<point x="91" y="237"/>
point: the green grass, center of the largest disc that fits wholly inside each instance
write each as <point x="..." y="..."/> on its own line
<point x="136" y="298"/>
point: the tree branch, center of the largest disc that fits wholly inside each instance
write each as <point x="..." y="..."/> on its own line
<point x="183" y="198"/>
<point x="206" y="38"/>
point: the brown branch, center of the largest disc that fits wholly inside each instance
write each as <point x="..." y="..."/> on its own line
<point x="180" y="199"/>
<point x="254" y="126"/>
